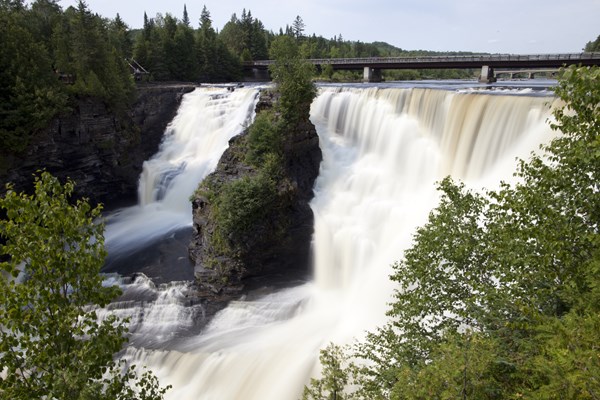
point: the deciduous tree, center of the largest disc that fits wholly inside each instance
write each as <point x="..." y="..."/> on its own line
<point x="52" y="344"/>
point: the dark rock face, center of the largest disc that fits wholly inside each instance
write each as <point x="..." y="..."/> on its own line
<point x="277" y="249"/>
<point x="101" y="152"/>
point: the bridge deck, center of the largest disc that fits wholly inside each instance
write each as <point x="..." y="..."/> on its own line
<point x="443" y="62"/>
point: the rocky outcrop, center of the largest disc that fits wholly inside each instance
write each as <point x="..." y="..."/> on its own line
<point x="101" y="152"/>
<point x="276" y="247"/>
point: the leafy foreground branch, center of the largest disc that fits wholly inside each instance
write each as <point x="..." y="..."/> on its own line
<point x="52" y="344"/>
<point x="499" y="297"/>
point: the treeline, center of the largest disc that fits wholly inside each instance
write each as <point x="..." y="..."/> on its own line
<point x="50" y="56"/>
<point x="172" y="49"/>
<point x="592" y="46"/>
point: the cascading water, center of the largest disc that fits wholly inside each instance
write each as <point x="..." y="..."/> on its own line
<point x="383" y="149"/>
<point x="193" y="143"/>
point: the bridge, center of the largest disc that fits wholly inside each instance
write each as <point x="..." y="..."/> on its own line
<point x="372" y="66"/>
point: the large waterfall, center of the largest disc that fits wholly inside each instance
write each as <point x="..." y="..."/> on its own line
<point x="383" y="150"/>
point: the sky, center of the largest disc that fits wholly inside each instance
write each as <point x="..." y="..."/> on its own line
<point x="499" y="26"/>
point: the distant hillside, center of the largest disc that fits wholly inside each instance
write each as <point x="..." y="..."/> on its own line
<point x="388" y="50"/>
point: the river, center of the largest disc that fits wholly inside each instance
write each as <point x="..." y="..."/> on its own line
<point x="384" y="147"/>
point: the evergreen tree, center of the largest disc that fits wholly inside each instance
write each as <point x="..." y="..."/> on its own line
<point x="184" y="53"/>
<point x="186" y="18"/>
<point x="298" y="27"/>
<point x="206" y="46"/>
<point x="119" y="37"/>
<point x="44" y="16"/>
<point x="30" y="94"/>
<point x="167" y="30"/>
<point x="593" y="46"/>
<point x="231" y="34"/>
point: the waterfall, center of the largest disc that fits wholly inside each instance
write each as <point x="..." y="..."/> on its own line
<point x="383" y="150"/>
<point x="192" y="145"/>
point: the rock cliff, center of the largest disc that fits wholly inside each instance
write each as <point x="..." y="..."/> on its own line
<point x="276" y="245"/>
<point x="101" y="152"/>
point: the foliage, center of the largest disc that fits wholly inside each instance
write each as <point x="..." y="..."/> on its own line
<point x="593" y="45"/>
<point x="30" y="95"/>
<point x="298" y="27"/>
<point x="172" y="49"/>
<point x="264" y="139"/>
<point x="239" y="207"/>
<point x="244" y="202"/>
<point x="86" y="54"/>
<point x="246" y="37"/>
<point x="52" y="343"/>
<point x="293" y="77"/>
<point x="335" y="376"/>
<point x="49" y="56"/>
<point x="499" y="296"/>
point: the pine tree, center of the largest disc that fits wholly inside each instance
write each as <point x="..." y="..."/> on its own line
<point x="298" y="27"/>
<point x="186" y="19"/>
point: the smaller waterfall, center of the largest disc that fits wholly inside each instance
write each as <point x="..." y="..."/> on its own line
<point x="193" y="143"/>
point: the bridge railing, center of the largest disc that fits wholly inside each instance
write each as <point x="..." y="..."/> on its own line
<point x="477" y="58"/>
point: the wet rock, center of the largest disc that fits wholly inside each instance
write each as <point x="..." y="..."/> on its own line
<point x="275" y="248"/>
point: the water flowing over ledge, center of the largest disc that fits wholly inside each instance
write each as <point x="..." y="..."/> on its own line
<point x="190" y="150"/>
<point x="383" y="149"/>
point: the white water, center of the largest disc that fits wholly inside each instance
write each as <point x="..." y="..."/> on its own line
<point x="383" y="150"/>
<point x="193" y="143"/>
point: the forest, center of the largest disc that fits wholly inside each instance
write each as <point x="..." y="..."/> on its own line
<point x="51" y="56"/>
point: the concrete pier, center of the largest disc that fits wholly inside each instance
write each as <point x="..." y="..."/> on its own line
<point x="371" y="75"/>
<point x="487" y="74"/>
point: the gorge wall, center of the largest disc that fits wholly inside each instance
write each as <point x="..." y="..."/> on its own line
<point x="101" y="152"/>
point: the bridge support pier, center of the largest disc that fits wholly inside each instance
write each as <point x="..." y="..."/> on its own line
<point x="371" y="75"/>
<point x="487" y="74"/>
<point x="256" y="75"/>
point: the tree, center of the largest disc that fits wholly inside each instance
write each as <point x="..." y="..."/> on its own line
<point x="593" y="46"/>
<point x="293" y="77"/>
<point x="231" y="35"/>
<point x="245" y="37"/>
<point x="206" y="40"/>
<point x="298" y="27"/>
<point x="185" y="66"/>
<point x="186" y="18"/>
<point x="30" y="94"/>
<point x="335" y="376"/>
<point x="52" y="343"/>
<point x="119" y="36"/>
